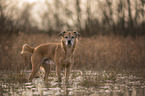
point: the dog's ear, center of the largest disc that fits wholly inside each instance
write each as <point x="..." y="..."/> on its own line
<point x="77" y="33"/>
<point x="62" y="33"/>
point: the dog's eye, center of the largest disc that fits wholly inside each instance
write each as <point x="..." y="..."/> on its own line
<point x="72" y="37"/>
<point x="66" y="36"/>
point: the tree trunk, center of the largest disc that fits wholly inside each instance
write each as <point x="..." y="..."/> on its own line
<point x="130" y="14"/>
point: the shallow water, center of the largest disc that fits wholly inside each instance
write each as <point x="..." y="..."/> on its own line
<point x="124" y="85"/>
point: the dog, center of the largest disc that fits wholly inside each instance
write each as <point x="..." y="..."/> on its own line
<point x="62" y="54"/>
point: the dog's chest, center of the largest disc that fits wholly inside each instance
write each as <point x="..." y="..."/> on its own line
<point x="66" y="60"/>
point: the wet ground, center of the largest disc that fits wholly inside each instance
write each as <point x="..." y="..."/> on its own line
<point x="122" y="85"/>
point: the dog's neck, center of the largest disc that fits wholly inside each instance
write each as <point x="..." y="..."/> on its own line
<point x="68" y="51"/>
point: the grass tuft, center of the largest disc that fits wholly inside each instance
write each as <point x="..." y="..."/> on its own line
<point x="98" y="80"/>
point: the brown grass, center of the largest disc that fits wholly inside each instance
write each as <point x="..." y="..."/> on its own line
<point x="92" y="53"/>
<point x="103" y="52"/>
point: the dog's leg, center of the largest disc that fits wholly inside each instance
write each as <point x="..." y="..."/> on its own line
<point x="33" y="73"/>
<point x="47" y="70"/>
<point x="67" y="73"/>
<point x="58" y="72"/>
<point x="36" y="63"/>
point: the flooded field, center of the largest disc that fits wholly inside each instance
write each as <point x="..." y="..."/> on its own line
<point x="106" y="85"/>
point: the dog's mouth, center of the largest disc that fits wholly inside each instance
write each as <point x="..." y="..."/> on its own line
<point x="69" y="45"/>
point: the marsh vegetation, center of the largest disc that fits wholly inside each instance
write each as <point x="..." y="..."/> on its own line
<point x="116" y="64"/>
<point x="81" y="83"/>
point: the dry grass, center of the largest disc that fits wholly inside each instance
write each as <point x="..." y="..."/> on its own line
<point x="107" y="52"/>
<point x="92" y="53"/>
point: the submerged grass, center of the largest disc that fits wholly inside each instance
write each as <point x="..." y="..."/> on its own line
<point x="111" y="77"/>
<point x="97" y="80"/>
<point x="14" y="78"/>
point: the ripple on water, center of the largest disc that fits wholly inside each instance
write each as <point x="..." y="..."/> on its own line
<point x="34" y="89"/>
<point x="47" y="93"/>
<point x="28" y="83"/>
<point x="27" y="93"/>
<point x="55" y="88"/>
<point x="30" y="86"/>
<point x="35" y="93"/>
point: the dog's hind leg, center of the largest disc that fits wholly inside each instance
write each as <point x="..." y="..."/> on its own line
<point x="36" y="63"/>
<point x="47" y="67"/>
<point x="58" y="72"/>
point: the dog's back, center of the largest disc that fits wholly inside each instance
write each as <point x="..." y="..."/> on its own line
<point x="46" y="50"/>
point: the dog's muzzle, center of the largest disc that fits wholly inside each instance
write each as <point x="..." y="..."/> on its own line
<point x="69" y="41"/>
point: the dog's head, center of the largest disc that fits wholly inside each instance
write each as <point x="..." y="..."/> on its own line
<point x="69" y="38"/>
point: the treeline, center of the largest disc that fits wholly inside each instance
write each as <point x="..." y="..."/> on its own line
<point x="13" y="19"/>
<point x="90" y="17"/>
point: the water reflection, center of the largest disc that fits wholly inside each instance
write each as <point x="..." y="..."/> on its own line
<point x="124" y="86"/>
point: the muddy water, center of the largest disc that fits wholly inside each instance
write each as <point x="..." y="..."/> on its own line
<point x="124" y="85"/>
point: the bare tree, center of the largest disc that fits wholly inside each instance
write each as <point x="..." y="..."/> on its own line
<point x="130" y="14"/>
<point x="78" y="13"/>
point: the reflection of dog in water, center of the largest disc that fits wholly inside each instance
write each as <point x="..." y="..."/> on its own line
<point x="61" y="53"/>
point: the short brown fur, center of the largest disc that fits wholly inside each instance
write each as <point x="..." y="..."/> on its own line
<point x="60" y="53"/>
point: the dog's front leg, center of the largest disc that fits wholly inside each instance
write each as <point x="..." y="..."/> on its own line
<point x="58" y="72"/>
<point x="67" y="72"/>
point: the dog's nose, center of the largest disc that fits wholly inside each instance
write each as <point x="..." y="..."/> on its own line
<point x="69" y="41"/>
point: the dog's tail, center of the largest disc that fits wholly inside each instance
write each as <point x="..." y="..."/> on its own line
<point x="27" y="49"/>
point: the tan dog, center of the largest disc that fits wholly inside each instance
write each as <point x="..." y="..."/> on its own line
<point x="60" y="53"/>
